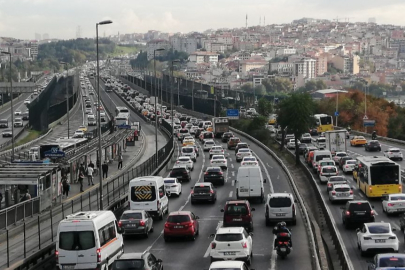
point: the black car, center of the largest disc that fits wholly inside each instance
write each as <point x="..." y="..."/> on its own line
<point x="225" y="137"/>
<point x="136" y="222"/>
<point x="355" y="212"/>
<point x="313" y="132"/>
<point x="198" y="132"/>
<point x="343" y="159"/>
<point x="3" y="123"/>
<point x="301" y="148"/>
<point x="181" y="173"/>
<point x="138" y="261"/>
<point x="214" y="175"/>
<point x="240" y="146"/>
<point x="208" y="135"/>
<point x="373" y="145"/>
<point x="203" y="192"/>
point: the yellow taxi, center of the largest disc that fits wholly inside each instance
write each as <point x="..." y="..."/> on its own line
<point x="210" y="129"/>
<point x="145" y="112"/>
<point x="358" y="140"/>
<point x="188" y="141"/>
<point x="83" y="128"/>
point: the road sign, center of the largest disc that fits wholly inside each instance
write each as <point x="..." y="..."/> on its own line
<point x="124" y="126"/>
<point x="232" y="113"/>
<point x="365" y="117"/>
<point x="54" y="153"/>
<point x="368" y="123"/>
<point x="336" y="113"/>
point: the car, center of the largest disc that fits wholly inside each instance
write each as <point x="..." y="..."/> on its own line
<point x="377" y="237"/>
<point x="342" y="160"/>
<point x="357" y="211"/>
<point x="232" y="142"/>
<point x="348" y="165"/>
<point x="17" y="113"/>
<point x="338" y="156"/>
<point x="181" y="173"/>
<point x="373" y="145"/>
<point x="238" y="213"/>
<point x="173" y="186"/>
<point x="220" y="161"/>
<point x="244" y="152"/>
<point x="136" y="222"/>
<point x="232" y="244"/>
<point x="393" y="153"/>
<point x="27" y="101"/>
<point x="340" y="192"/>
<point x="358" y="140"/>
<point x="193" y="129"/>
<point x="196" y="150"/>
<point x="313" y="132"/>
<point x="181" y="224"/>
<point x="240" y="146"/>
<point x="226" y="136"/>
<point x="139" y="261"/>
<point x="214" y="175"/>
<point x="89" y="111"/>
<point x="291" y="144"/>
<point x="393" y="203"/>
<point x="208" y="144"/>
<point x="203" y="192"/>
<point x="226" y="265"/>
<point x="324" y="162"/>
<point x="301" y="148"/>
<point x="7" y="133"/>
<point x="3" y="123"/>
<point x="83" y="128"/>
<point x="190" y="151"/>
<point x="309" y="149"/>
<point x="198" y="132"/>
<point x="18" y="122"/>
<point x="288" y="137"/>
<point x="216" y="150"/>
<point x="326" y="172"/>
<point x="387" y="261"/>
<point x="26" y="115"/>
<point x="185" y="161"/>
<point x="78" y="134"/>
<point x="337" y="179"/>
<point x="306" y="138"/>
<point x="249" y="161"/>
<point x="188" y="141"/>
<point x="280" y="207"/>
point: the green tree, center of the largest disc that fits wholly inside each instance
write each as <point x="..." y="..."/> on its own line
<point x="259" y="90"/>
<point x="264" y="107"/>
<point x="295" y="114"/>
<point x="247" y="87"/>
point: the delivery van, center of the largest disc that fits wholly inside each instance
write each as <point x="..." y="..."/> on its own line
<point x="249" y="183"/>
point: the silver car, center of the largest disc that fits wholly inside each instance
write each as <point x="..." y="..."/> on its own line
<point x="340" y="192"/>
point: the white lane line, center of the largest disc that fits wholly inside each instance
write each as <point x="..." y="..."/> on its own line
<point x="230" y="194"/>
<point x="233" y="183"/>
<point x="273" y="259"/>
<point x="226" y="176"/>
<point x="209" y="246"/>
<point x="375" y="212"/>
<point x="230" y="159"/>
<point x="361" y="194"/>
<point x="269" y="165"/>
<point x="232" y="166"/>
<point x="267" y="174"/>
<point x="233" y="173"/>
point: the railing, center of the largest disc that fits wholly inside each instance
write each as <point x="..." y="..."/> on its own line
<point x="7" y="143"/>
<point x="42" y="231"/>
<point x="356" y="132"/>
<point x="11" y="215"/>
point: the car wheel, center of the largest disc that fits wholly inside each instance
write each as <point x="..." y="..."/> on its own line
<point x="212" y="259"/>
<point x="193" y="237"/>
<point x="166" y="238"/>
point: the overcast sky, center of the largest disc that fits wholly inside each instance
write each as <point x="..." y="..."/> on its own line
<point x="60" y="18"/>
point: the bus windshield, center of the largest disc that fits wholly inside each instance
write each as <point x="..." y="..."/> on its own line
<point x="326" y="120"/>
<point x="384" y="174"/>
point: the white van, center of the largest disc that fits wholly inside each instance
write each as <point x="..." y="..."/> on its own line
<point x="280" y="207"/>
<point x="249" y="183"/>
<point x="91" y="120"/>
<point x="88" y="240"/>
<point x="319" y="155"/>
<point x="148" y="193"/>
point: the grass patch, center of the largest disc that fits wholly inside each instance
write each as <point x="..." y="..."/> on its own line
<point x="284" y="155"/>
<point x="32" y="135"/>
<point x="125" y="50"/>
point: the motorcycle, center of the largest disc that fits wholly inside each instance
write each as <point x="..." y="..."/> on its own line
<point x="374" y="137"/>
<point x="283" y="247"/>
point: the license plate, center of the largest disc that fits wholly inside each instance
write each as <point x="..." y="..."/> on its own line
<point x="380" y="240"/>
<point x="230" y="253"/>
<point x="178" y="227"/>
<point x="283" y="249"/>
<point x="360" y="214"/>
<point x="131" y="225"/>
<point x="72" y="266"/>
<point x="237" y="219"/>
<point x="244" y="190"/>
<point x="280" y="214"/>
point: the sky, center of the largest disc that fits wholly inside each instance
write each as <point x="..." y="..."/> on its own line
<point x="60" y="18"/>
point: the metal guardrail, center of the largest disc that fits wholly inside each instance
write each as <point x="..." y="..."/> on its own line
<point x="11" y="215"/>
<point x="381" y="138"/>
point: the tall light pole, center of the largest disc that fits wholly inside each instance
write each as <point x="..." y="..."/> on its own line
<point x="12" y="110"/>
<point x="67" y="97"/>
<point x="171" y="99"/>
<point x="365" y="107"/>
<point x="156" y="94"/>
<point x="98" y="114"/>
<point x="337" y="112"/>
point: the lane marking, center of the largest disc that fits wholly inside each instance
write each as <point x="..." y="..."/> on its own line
<point x="230" y="194"/>
<point x="269" y="165"/>
<point x="232" y="166"/>
<point x="233" y="183"/>
<point x="230" y="159"/>
<point x="233" y="173"/>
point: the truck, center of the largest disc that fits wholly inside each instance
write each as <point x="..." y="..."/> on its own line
<point x="336" y="141"/>
<point x="220" y="125"/>
<point x="153" y="100"/>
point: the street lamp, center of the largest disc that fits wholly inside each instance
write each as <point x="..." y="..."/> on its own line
<point x="67" y="97"/>
<point x="171" y="99"/>
<point x="98" y="114"/>
<point x="12" y="111"/>
<point x="155" y="97"/>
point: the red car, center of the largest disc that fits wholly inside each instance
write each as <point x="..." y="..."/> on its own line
<point x="181" y="224"/>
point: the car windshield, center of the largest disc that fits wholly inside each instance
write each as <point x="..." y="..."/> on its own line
<point x="187" y="150"/>
<point x="229" y="237"/>
<point x="392" y="261"/>
<point x="178" y="218"/>
<point x="244" y="150"/>
<point x="280" y="202"/>
<point x="351" y="162"/>
<point x="214" y="170"/>
<point x="217" y="157"/>
<point x="336" y="179"/>
<point x="203" y="189"/>
<point x="391" y="150"/>
<point x="360" y="206"/>
<point x="341" y="154"/>
<point x="133" y="264"/>
<point x="249" y="159"/>
<point x="131" y="216"/>
<point x="236" y="209"/>
<point x="397" y="198"/>
<point x="320" y="157"/>
<point x="325" y="163"/>
<point x="76" y="240"/>
<point x="329" y="170"/>
<point x="374" y="143"/>
<point x="209" y="142"/>
<point x="380" y="228"/>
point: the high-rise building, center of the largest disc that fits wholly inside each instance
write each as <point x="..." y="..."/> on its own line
<point x="157" y="44"/>
<point x="306" y="67"/>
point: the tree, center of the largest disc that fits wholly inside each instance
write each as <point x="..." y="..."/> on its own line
<point x="247" y="87"/>
<point x="259" y="90"/>
<point x="295" y="113"/>
<point x="264" y="107"/>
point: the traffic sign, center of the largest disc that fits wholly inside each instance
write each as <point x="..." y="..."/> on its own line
<point x="365" y="117"/>
<point x="124" y="126"/>
<point x="336" y="113"/>
<point x="232" y="113"/>
<point x="54" y="153"/>
<point x="368" y="123"/>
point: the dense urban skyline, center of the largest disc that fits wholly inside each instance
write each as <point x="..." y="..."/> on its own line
<point x="23" y="18"/>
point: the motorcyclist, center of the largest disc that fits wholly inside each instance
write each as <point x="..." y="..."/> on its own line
<point x="374" y="135"/>
<point x="349" y="128"/>
<point x="282" y="228"/>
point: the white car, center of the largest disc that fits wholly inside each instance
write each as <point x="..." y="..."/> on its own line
<point x="173" y="186"/>
<point x="249" y="161"/>
<point x="189" y="151"/>
<point x="208" y="144"/>
<point x="78" y="134"/>
<point x="176" y="129"/>
<point x="243" y="152"/>
<point x="349" y="165"/>
<point x="27" y="101"/>
<point x="291" y="143"/>
<point x="393" y="203"/>
<point x="18" y="112"/>
<point x="18" y="122"/>
<point x="232" y="243"/>
<point x="377" y="235"/>
<point x="393" y="153"/>
<point x="89" y="111"/>
<point x="340" y="192"/>
<point x="216" y="150"/>
<point x="184" y="160"/>
<point x="219" y="161"/>
<point x="226" y="265"/>
<point x="193" y="129"/>
<point x="338" y="156"/>
<point x="326" y="172"/>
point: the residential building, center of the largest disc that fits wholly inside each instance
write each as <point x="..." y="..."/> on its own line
<point x="157" y="44"/>
<point x="282" y="67"/>
<point x="306" y="67"/>
<point x="253" y="63"/>
<point x="215" y="47"/>
<point x="321" y="64"/>
<point x="348" y="65"/>
<point x="286" y="51"/>
<point x="183" y="44"/>
<point x="203" y="57"/>
<point x="33" y="45"/>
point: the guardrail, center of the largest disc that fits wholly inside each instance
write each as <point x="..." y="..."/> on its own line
<point x="43" y="231"/>
<point x="381" y="138"/>
<point x="11" y="215"/>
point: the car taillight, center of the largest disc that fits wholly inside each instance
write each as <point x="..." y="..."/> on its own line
<point x="347" y="213"/>
<point x="56" y="255"/>
<point x="221" y="173"/>
<point x="213" y="245"/>
<point x="285" y="243"/>
<point x="280" y="243"/>
<point x="192" y="192"/>
<point x="173" y="186"/>
<point x="333" y="193"/>
<point x="206" y="173"/>
<point x="142" y="223"/>
<point x="321" y="173"/>
<point x="211" y="191"/>
<point x="167" y="225"/>
<point x="392" y="237"/>
<point x="177" y="162"/>
<point x="243" y="163"/>
<point x="319" y="167"/>
<point x="370" y="189"/>
<point x="329" y="185"/>
<point x="283" y="234"/>
<point x="372" y="212"/>
<point x="351" y="192"/>
<point x="244" y="244"/>
<point x="185" y="172"/>
<point x="119" y="224"/>
<point x="390" y="204"/>
<point x="98" y="255"/>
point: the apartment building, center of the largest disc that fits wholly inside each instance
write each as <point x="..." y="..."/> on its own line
<point x="157" y="44"/>
<point x="183" y="44"/>
<point x="321" y="64"/>
<point x="253" y="63"/>
<point x="348" y="64"/>
<point x="305" y="67"/>
<point x="203" y="57"/>
<point x="282" y="67"/>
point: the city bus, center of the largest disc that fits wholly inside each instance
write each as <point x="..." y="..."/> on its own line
<point x="122" y="110"/>
<point x="323" y="122"/>
<point x="377" y="176"/>
<point x="121" y="119"/>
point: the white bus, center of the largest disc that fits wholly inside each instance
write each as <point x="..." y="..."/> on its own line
<point x="121" y="119"/>
<point x="122" y="110"/>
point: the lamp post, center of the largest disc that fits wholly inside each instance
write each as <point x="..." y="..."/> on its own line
<point x="156" y="93"/>
<point x="98" y="114"/>
<point x="67" y="97"/>
<point x="365" y="107"/>
<point x="12" y="110"/>
<point x="171" y="100"/>
<point x="337" y="108"/>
